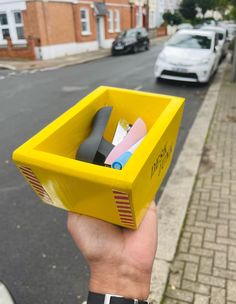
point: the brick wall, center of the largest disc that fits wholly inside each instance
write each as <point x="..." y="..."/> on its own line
<point x="92" y="19"/>
<point x="58" y="22"/>
<point x="23" y="52"/>
<point x="55" y="23"/>
<point x="125" y="22"/>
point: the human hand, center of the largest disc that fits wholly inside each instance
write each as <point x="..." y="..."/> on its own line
<point x="120" y="259"/>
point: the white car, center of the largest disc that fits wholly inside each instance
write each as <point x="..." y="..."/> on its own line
<point x="184" y="26"/>
<point x="190" y="55"/>
<point x="223" y="42"/>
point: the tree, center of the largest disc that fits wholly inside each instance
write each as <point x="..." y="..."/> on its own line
<point x="173" y="19"/>
<point x="188" y="9"/>
<point x="178" y="18"/>
<point x="206" y="5"/>
<point x="168" y="17"/>
<point x="222" y="6"/>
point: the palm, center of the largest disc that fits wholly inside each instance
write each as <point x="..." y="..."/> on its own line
<point x="105" y="243"/>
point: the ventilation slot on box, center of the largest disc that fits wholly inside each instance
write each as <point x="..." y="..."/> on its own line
<point x="35" y="184"/>
<point x="123" y="207"/>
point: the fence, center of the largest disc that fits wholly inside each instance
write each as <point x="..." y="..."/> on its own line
<point x="26" y="51"/>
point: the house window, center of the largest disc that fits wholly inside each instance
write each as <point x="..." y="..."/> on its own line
<point x="117" y="21"/>
<point x="19" y="25"/>
<point x="110" y="21"/>
<point x="11" y="25"/>
<point x="4" y="26"/>
<point x="84" y="17"/>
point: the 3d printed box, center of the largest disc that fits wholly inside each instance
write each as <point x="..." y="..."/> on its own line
<point x="48" y="163"/>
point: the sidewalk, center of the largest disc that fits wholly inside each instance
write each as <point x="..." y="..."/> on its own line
<point x="19" y="65"/>
<point x="203" y="270"/>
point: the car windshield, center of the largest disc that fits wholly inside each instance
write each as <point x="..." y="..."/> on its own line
<point x="188" y="41"/>
<point x="128" y="34"/>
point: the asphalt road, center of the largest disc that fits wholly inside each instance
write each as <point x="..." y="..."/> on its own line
<point x="38" y="259"/>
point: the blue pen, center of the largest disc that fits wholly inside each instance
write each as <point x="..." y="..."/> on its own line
<point x="120" y="162"/>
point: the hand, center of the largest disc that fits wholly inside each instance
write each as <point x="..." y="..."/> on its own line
<point x="120" y="259"/>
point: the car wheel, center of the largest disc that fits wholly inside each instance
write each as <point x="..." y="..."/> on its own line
<point x="113" y="53"/>
<point x="158" y="79"/>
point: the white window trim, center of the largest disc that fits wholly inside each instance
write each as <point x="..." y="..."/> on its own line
<point x="4" y="41"/>
<point x="87" y="20"/>
<point x="15" y="38"/>
<point x="117" y="20"/>
<point x="12" y="28"/>
<point x="110" y="21"/>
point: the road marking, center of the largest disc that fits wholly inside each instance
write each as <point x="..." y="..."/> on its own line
<point x="138" y="88"/>
<point x="2" y="77"/>
<point x="74" y="88"/>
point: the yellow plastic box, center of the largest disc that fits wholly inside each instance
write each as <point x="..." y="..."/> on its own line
<point x="48" y="163"/>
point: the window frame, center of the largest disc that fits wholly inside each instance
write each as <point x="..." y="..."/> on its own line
<point x="11" y="26"/>
<point x="110" y="21"/>
<point x="18" y="25"/>
<point x="86" y="20"/>
<point x="3" y="27"/>
<point x="117" y="20"/>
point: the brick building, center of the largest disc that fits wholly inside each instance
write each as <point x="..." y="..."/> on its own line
<point x="54" y="28"/>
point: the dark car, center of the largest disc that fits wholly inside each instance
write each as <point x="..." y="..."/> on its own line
<point x="131" y="40"/>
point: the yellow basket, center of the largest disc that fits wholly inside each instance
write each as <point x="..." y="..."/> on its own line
<point x="48" y="163"/>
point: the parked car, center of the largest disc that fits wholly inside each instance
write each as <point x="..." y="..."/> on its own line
<point x="132" y="40"/>
<point x="232" y="31"/>
<point x="190" y="55"/>
<point x="184" y="26"/>
<point x="222" y="36"/>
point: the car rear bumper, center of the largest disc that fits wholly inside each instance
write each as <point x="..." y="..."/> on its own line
<point x="190" y="74"/>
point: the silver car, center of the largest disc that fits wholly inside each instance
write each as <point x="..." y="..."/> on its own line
<point x="190" y="55"/>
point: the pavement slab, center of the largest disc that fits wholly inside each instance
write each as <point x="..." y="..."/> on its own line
<point x="206" y="252"/>
<point x="174" y="212"/>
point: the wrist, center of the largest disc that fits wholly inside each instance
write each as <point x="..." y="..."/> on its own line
<point x="124" y="280"/>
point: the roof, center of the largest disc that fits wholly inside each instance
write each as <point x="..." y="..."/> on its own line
<point x="100" y="9"/>
<point x="196" y="32"/>
<point x="217" y="29"/>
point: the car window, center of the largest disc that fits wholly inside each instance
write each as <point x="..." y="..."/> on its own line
<point x="128" y="33"/>
<point x="131" y="33"/>
<point x="221" y="36"/>
<point x="188" y="41"/>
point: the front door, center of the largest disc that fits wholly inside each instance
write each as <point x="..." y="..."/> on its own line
<point x="100" y="30"/>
